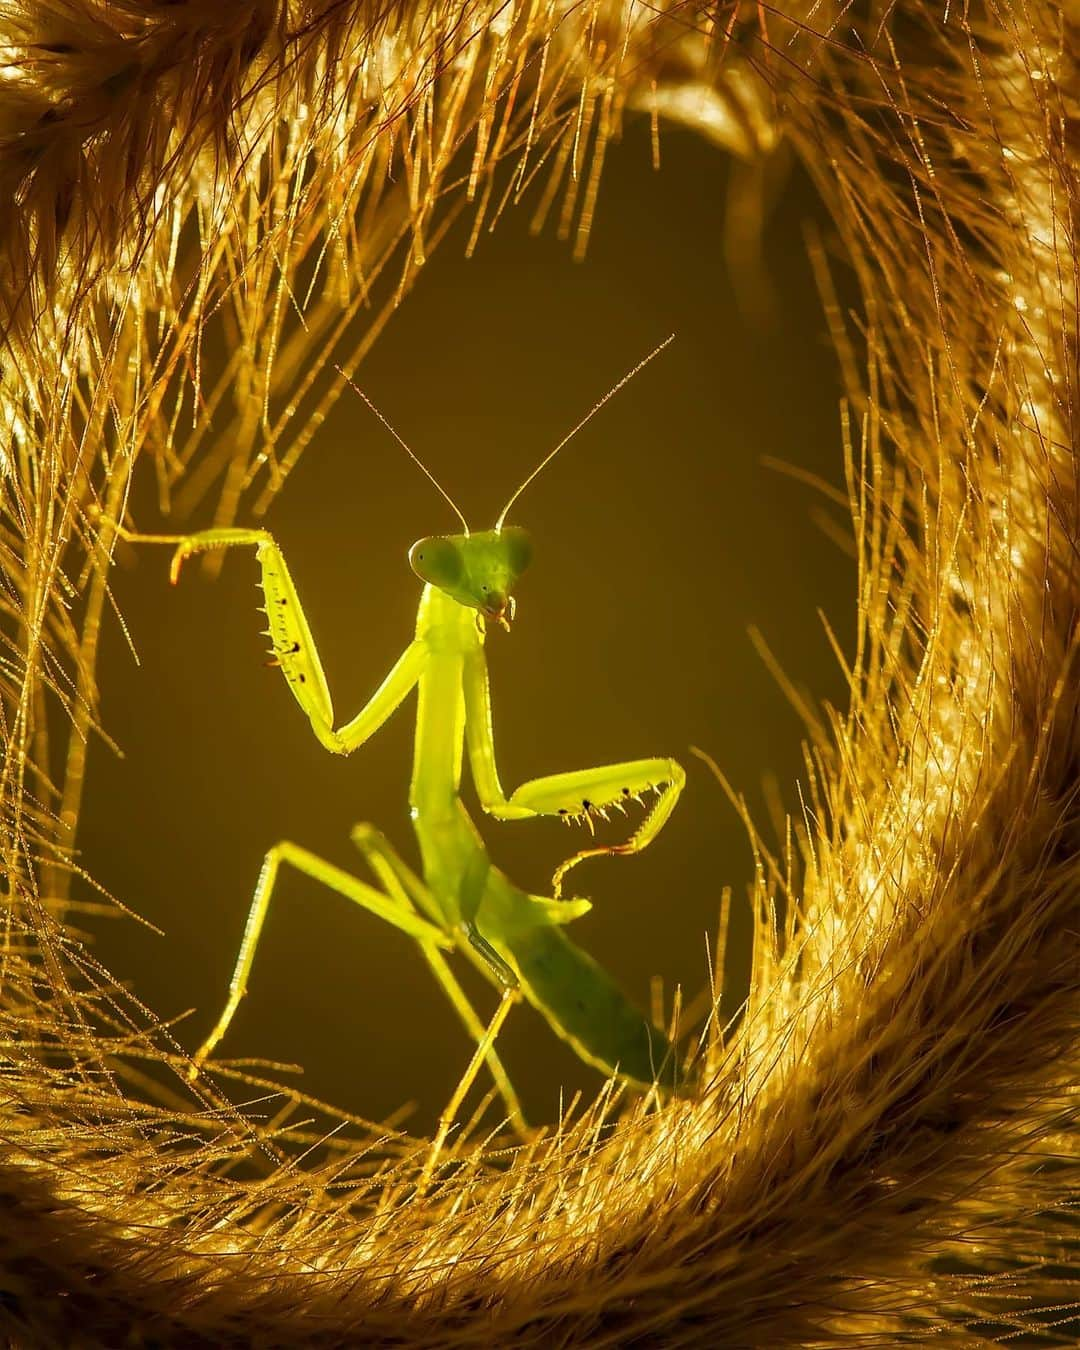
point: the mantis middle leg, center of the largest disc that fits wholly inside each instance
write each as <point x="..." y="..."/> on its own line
<point x="401" y="883"/>
<point x="336" y="879"/>
<point x="446" y="1120"/>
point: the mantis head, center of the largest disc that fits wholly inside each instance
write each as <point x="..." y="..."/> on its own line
<point x="477" y="570"/>
<point x="481" y="570"/>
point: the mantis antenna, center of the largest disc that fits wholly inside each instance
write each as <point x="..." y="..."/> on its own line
<point x="415" y="458"/>
<point x="587" y="418"/>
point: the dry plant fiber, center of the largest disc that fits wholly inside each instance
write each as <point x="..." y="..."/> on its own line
<point x="883" y="1148"/>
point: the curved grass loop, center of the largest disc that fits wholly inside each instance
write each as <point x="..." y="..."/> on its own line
<point x="886" y="1147"/>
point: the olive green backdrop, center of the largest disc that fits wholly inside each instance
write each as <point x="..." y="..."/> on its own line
<point x="659" y="537"/>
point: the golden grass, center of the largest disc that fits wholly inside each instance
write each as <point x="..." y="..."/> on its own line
<point x="884" y="1150"/>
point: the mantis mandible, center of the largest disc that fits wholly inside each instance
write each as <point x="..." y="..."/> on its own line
<point x="461" y="901"/>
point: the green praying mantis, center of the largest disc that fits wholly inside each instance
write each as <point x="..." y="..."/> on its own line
<point x="462" y="901"/>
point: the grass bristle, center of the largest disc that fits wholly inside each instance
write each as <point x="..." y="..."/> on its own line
<point x="885" y="1148"/>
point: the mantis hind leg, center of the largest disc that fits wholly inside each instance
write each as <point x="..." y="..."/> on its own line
<point x="336" y="879"/>
<point x="402" y="884"/>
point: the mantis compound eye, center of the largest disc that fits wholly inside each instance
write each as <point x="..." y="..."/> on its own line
<point x="436" y="560"/>
<point x="518" y="547"/>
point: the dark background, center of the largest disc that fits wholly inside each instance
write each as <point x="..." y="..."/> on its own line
<point x="659" y="537"/>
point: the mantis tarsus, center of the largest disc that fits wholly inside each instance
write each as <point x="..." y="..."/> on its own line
<point x="462" y="901"/>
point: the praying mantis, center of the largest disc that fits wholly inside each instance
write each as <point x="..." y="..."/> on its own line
<point x="462" y="902"/>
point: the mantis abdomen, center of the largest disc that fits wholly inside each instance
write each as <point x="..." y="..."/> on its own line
<point x="586" y="1007"/>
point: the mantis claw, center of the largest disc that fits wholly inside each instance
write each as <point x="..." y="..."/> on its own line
<point x="612" y="786"/>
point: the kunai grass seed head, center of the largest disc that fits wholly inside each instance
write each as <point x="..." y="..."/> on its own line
<point x="884" y="1148"/>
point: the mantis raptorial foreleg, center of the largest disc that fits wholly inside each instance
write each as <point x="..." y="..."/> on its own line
<point x="403" y="917"/>
<point x="578" y="795"/>
<point x="293" y="646"/>
<point x="402" y="883"/>
<point x="587" y="792"/>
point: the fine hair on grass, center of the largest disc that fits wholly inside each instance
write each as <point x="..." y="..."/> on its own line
<point x="881" y="1149"/>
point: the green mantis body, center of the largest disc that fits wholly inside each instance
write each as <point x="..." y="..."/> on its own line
<point x="462" y="900"/>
